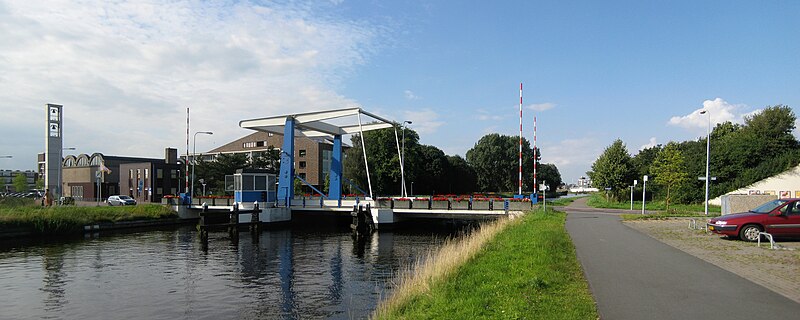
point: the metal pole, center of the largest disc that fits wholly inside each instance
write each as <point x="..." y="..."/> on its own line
<point x="364" y="151"/>
<point x="631" y="198"/>
<point x="708" y="152"/>
<point x="403" y="162"/>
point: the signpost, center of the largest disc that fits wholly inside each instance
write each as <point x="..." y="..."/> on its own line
<point x="544" y="188"/>
<point x="634" y="184"/>
<point x="644" y="192"/>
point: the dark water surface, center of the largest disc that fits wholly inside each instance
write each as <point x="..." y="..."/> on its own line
<point x="296" y="272"/>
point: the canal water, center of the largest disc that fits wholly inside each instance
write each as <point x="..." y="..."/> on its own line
<point x="302" y="271"/>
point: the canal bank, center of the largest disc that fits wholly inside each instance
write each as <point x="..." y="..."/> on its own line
<point x="30" y="220"/>
<point x="312" y="268"/>
<point x="522" y="268"/>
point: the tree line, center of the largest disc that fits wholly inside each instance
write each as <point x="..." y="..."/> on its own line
<point x="741" y="154"/>
<point x="491" y="165"/>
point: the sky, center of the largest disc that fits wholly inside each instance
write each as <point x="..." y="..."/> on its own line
<point x="592" y="71"/>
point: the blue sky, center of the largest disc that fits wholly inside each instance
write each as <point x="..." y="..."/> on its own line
<point x="593" y="71"/>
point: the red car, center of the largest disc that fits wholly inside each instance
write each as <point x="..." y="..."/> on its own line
<point x="781" y="218"/>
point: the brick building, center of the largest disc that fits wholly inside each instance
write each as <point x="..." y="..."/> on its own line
<point x="145" y="179"/>
<point x="312" y="155"/>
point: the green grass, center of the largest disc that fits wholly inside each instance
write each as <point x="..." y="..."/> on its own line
<point x="598" y="200"/>
<point x="529" y="270"/>
<point x="70" y="219"/>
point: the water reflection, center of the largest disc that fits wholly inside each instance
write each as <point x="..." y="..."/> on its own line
<point x="316" y="271"/>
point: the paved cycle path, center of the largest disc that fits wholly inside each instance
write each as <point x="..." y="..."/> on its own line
<point x="633" y="276"/>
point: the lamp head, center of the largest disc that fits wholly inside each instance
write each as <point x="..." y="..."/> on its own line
<point x="703" y="112"/>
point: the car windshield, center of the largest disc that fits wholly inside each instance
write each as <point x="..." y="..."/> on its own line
<point x="124" y="198"/>
<point x="768" y="207"/>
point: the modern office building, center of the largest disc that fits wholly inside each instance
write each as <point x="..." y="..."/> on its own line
<point x="7" y="180"/>
<point x="312" y="155"/>
<point x="145" y="179"/>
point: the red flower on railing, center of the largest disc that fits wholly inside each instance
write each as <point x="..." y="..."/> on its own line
<point x="402" y="199"/>
<point x="420" y="199"/>
<point x="440" y="198"/>
<point x="519" y="200"/>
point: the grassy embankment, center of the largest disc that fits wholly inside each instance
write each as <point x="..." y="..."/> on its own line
<point x="26" y="214"/>
<point x="522" y="268"/>
<point x="598" y="200"/>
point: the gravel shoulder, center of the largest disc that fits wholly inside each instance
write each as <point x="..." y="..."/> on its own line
<point x="777" y="270"/>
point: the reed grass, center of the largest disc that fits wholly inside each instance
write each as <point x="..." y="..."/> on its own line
<point x="522" y="268"/>
<point x="70" y="219"/>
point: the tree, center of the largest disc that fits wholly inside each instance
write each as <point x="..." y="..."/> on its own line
<point x="40" y="183"/>
<point x="548" y="173"/>
<point x="668" y="169"/>
<point x="20" y="182"/>
<point x="269" y="160"/>
<point x="430" y="167"/>
<point x="613" y="169"/>
<point x="383" y="158"/>
<point x="461" y="178"/>
<point x="495" y="159"/>
<point x="214" y="172"/>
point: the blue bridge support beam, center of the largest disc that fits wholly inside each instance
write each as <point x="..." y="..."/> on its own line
<point x="286" y="174"/>
<point x="335" y="187"/>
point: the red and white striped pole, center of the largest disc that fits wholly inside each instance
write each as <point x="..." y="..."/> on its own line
<point x="186" y="189"/>
<point x="535" y="186"/>
<point x="520" y="138"/>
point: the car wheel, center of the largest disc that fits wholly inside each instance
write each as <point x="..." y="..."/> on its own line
<point x="749" y="232"/>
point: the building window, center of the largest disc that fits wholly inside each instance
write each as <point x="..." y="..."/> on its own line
<point x="159" y="173"/>
<point x="269" y="134"/>
<point x="260" y="143"/>
<point x="302" y="164"/>
<point x="302" y="175"/>
<point x="302" y="153"/>
<point x="173" y="174"/>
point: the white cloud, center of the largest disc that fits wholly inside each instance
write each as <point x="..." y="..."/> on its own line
<point x="573" y="157"/>
<point x="410" y="95"/>
<point x="126" y="70"/>
<point x="719" y="110"/>
<point x="541" y="106"/>
<point x="650" y="144"/>
<point x="425" y="121"/>
<point x="484" y="115"/>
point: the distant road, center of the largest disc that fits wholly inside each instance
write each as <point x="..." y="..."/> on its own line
<point x="633" y="276"/>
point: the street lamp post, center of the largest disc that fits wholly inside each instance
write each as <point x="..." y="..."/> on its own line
<point x="403" y="162"/>
<point x="412" y="188"/>
<point x="634" y="184"/>
<point x="708" y="153"/>
<point x="194" y="155"/>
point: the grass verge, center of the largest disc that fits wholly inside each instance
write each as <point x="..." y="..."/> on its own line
<point x="525" y="268"/>
<point x="598" y="200"/>
<point x="70" y="219"/>
<point x="666" y="215"/>
<point x="561" y="202"/>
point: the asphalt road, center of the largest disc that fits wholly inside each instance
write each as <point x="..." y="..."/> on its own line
<point x="633" y="276"/>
